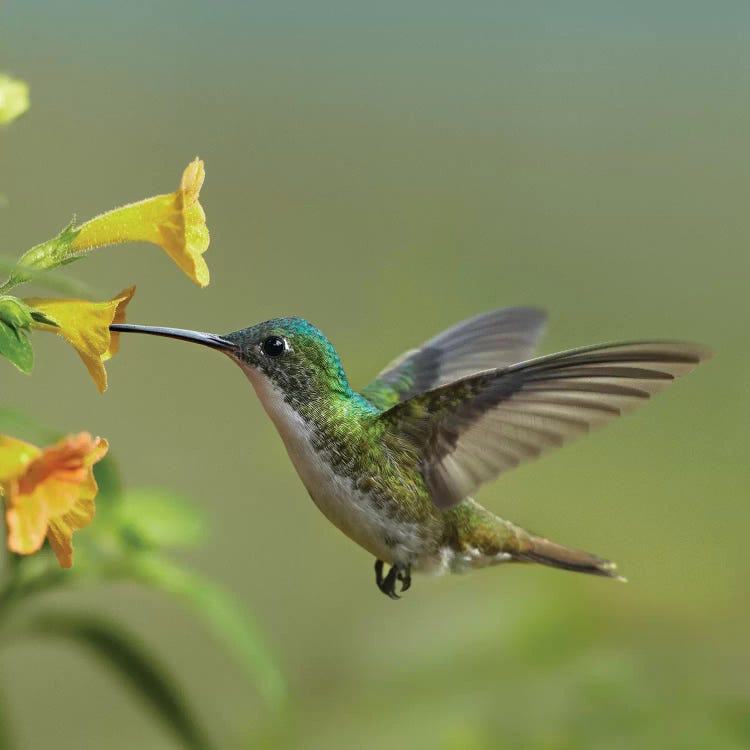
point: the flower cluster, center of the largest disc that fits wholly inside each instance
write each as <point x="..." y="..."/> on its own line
<point x="49" y="493"/>
<point x="175" y="221"/>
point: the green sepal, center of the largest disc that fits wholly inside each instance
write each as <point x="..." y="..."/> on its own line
<point x="17" y="314"/>
<point x="15" y="345"/>
<point x="14" y="312"/>
<point x="54" y="252"/>
<point x="39" y="317"/>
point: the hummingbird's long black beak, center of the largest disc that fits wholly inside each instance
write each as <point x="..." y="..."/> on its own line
<point x="197" y="337"/>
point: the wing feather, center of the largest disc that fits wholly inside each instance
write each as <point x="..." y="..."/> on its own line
<point x="469" y="431"/>
<point x="493" y="340"/>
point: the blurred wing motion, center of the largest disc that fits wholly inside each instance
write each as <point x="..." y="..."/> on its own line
<point x="494" y="340"/>
<point x="468" y="432"/>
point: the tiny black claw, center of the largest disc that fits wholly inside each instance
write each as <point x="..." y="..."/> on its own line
<point x="404" y="575"/>
<point x="387" y="584"/>
<point x="379" y="573"/>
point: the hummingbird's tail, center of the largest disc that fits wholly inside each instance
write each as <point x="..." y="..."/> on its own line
<point x="544" y="551"/>
<point x="481" y="539"/>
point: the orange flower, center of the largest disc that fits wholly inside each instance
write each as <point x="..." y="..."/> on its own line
<point x="176" y="222"/>
<point x="85" y="325"/>
<point x="48" y="492"/>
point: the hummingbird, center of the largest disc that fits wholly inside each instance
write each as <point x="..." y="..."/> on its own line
<point x="394" y="465"/>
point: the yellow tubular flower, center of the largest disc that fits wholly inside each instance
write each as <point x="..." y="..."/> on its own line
<point x="48" y="493"/>
<point x="85" y="325"/>
<point x="176" y="222"/>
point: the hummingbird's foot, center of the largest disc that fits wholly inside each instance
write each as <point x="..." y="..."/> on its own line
<point x="404" y="575"/>
<point x="387" y="583"/>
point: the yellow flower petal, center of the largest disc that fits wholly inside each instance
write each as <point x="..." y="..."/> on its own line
<point x="123" y="298"/>
<point x="85" y="325"/>
<point x="60" y="530"/>
<point x="53" y="495"/>
<point x="27" y="527"/>
<point x="176" y="222"/>
<point x="14" y="457"/>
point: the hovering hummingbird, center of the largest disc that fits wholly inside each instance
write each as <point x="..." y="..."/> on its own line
<point x="394" y="465"/>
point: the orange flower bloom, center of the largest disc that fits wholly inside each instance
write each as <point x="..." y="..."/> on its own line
<point x="176" y="222"/>
<point x="48" y="492"/>
<point x="85" y="325"/>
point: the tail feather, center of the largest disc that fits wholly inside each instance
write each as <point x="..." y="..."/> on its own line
<point x="544" y="551"/>
<point x="482" y="539"/>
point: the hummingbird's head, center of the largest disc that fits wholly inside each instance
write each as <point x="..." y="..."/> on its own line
<point x="290" y="353"/>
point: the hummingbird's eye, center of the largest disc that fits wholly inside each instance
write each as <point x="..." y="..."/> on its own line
<point x="273" y="346"/>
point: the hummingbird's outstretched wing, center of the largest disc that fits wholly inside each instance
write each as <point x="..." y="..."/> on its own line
<point x="468" y="432"/>
<point x="495" y="339"/>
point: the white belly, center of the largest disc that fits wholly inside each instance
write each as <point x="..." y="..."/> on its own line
<point x="340" y="501"/>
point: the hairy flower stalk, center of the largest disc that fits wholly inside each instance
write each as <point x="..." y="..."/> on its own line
<point x="176" y="222"/>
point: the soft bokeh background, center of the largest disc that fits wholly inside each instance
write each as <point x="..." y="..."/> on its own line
<point x="386" y="170"/>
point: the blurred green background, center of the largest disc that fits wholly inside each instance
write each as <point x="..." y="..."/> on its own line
<point x="385" y="170"/>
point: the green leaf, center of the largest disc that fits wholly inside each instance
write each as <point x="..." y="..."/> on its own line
<point x="228" y="620"/>
<point x="137" y="665"/>
<point x="15" y="345"/>
<point x="53" y="252"/>
<point x="14" y="99"/>
<point x="154" y="517"/>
